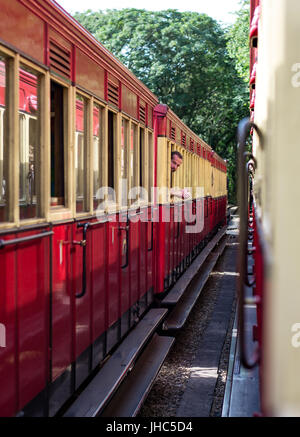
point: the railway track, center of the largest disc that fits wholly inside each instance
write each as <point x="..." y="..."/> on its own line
<point x="122" y="384"/>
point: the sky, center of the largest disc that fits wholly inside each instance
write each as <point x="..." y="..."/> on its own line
<point x="221" y="10"/>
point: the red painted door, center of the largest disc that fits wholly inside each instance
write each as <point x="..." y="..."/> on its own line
<point x="62" y="307"/>
<point x="25" y="299"/>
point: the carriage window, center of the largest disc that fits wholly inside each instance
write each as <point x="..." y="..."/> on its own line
<point x="111" y="153"/>
<point x="81" y="153"/>
<point x="97" y="151"/>
<point x="124" y="158"/>
<point x="29" y="143"/>
<point x="124" y="148"/>
<point x="189" y="170"/>
<point x="133" y="159"/>
<point x="3" y="147"/>
<point x="150" y="164"/>
<point x="173" y="174"/>
<point x="142" y="156"/>
<point x="57" y="145"/>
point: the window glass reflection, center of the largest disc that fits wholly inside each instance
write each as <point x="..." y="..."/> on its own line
<point x="3" y="147"/>
<point x="80" y="152"/>
<point x="97" y="152"/>
<point x="29" y="143"/>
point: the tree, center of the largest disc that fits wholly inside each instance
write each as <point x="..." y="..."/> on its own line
<point x="238" y="49"/>
<point x="238" y="41"/>
<point x="183" y="58"/>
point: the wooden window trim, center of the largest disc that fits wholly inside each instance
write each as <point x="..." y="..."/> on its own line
<point x="103" y="147"/>
<point x="145" y="178"/>
<point x="88" y="137"/>
<point x="127" y="159"/>
<point x="112" y="208"/>
<point x="150" y="165"/>
<point x="14" y="62"/>
<point x="67" y="211"/>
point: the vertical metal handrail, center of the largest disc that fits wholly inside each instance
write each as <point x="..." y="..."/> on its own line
<point x="152" y="227"/>
<point x="243" y="181"/>
<point x="151" y="247"/>
<point x="82" y="243"/>
<point x="126" y="229"/>
<point x="250" y="168"/>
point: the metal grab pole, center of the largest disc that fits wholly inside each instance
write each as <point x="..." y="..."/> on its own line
<point x="243" y="181"/>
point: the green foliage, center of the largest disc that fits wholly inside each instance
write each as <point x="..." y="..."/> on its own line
<point x="183" y="59"/>
<point x="238" y="41"/>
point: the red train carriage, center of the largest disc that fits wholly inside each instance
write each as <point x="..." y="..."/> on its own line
<point x="82" y="250"/>
<point x="185" y="224"/>
<point x="270" y="215"/>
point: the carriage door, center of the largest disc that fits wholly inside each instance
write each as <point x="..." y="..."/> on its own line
<point x="62" y="301"/>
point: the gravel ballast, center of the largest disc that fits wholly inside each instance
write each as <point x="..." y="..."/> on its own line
<point x="192" y="380"/>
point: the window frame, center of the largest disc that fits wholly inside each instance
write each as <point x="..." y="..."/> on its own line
<point x="134" y="177"/>
<point x="102" y="152"/>
<point x="38" y="171"/>
<point x="123" y="206"/>
<point x="87" y="150"/>
<point x="14" y="62"/>
<point x="65" y="211"/>
<point x="150" y="164"/>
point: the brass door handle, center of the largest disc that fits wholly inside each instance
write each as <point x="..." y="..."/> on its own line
<point x="81" y="243"/>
